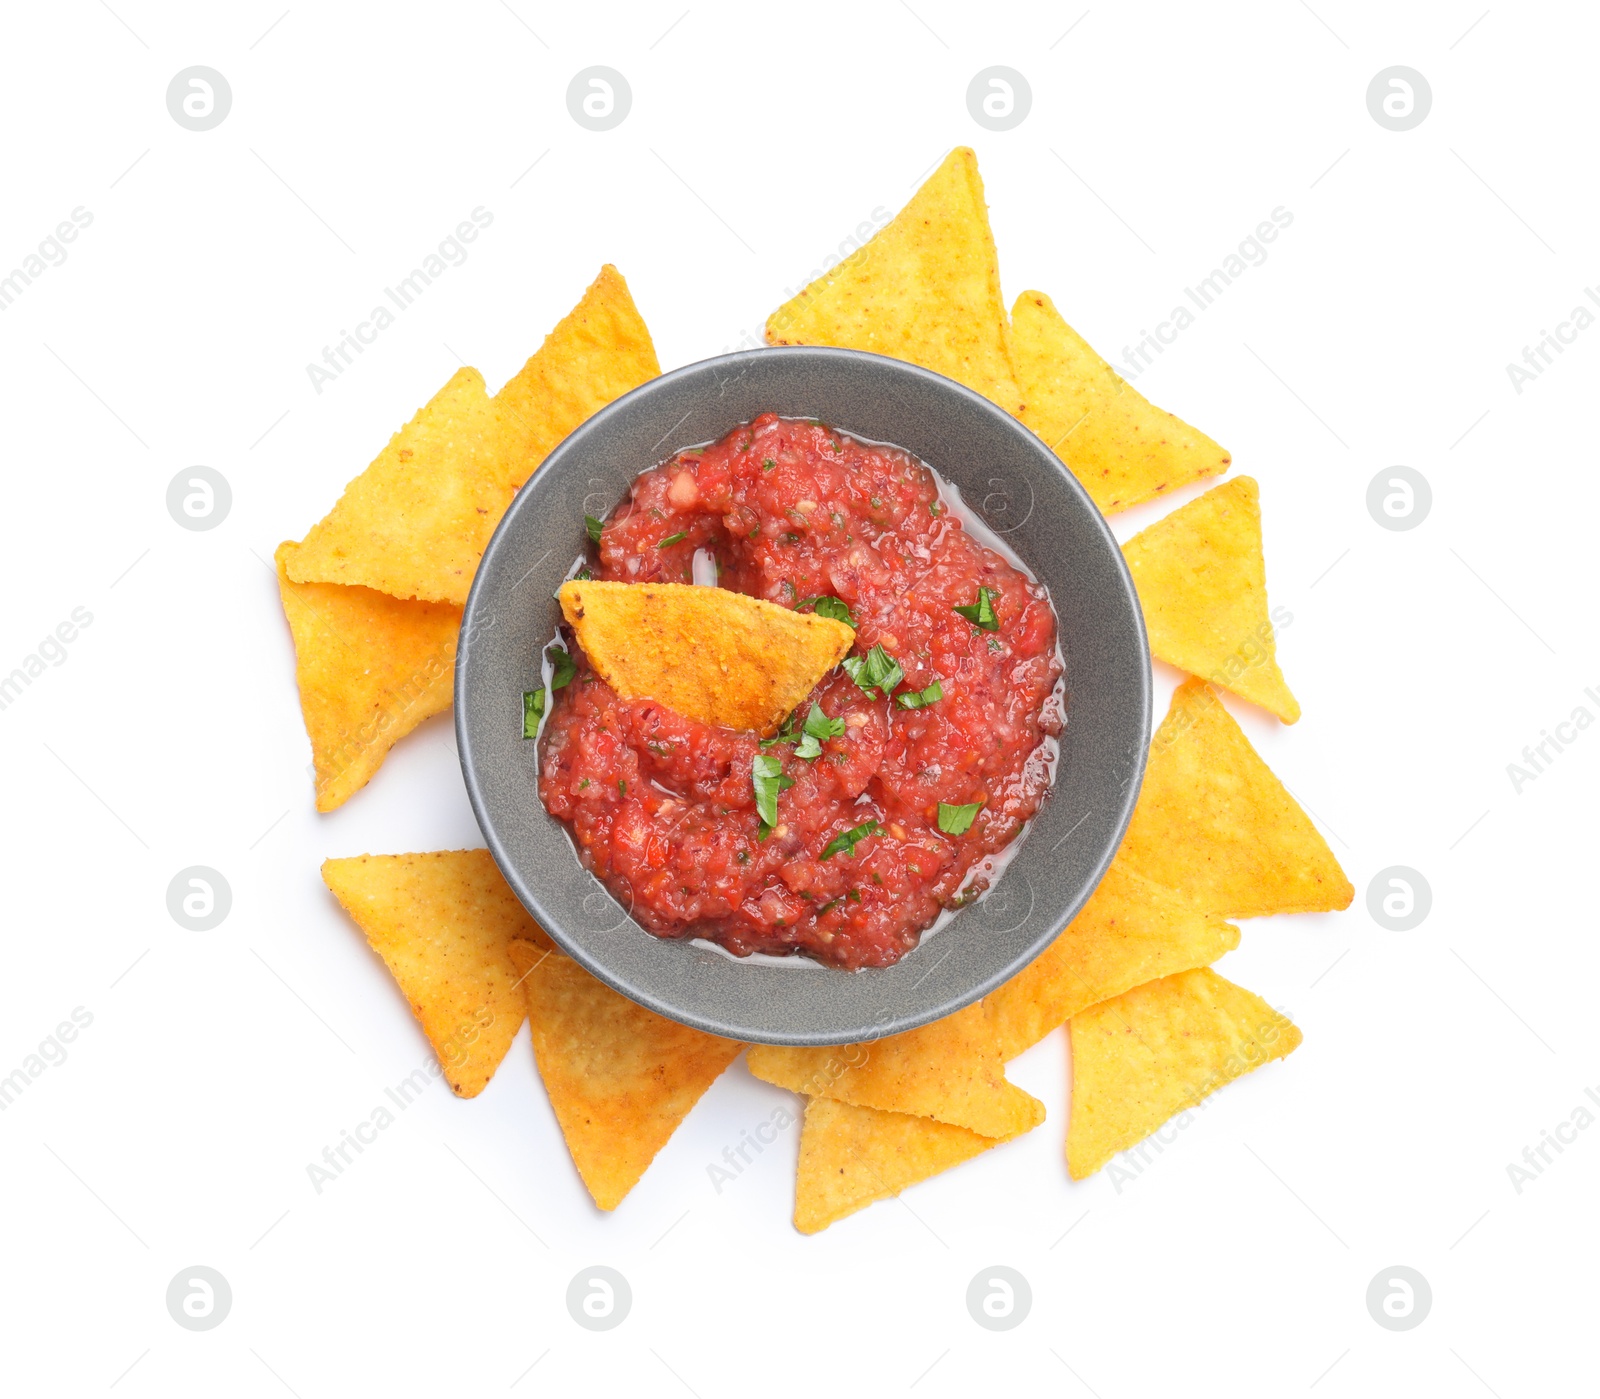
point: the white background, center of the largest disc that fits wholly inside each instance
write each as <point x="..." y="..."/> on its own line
<point x="219" y="1064"/>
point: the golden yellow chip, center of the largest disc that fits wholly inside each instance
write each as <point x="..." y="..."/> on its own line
<point x="620" y="1077"/>
<point x="1131" y="931"/>
<point x="443" y="923"/>
<point x="600" y="351"/>
<point x="1159" y="1050"/>
<point x="924" y="289"/>
<point x="1214" y="824"/>
<point x="851" y="1156"/>
<point x="370" y="669"/>
<point x="950" y="1070"/>
<point x="416" y="521"/>
<point x="1203" y="586"/>
<point x="1115" y="441"/>
<point x="709" y="654"/>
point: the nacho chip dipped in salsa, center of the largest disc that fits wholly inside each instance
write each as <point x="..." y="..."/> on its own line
<point x="887" y="794"/>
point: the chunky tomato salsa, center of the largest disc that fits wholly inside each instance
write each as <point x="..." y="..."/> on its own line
<point x="884" y="797"/>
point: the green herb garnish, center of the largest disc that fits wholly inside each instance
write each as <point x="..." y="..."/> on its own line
<point x="981" y="613"/>
<point x="920" y="699"/>
<point x="766" y="775"/>
<point x="874" y="671"/>
<point x="532" y="712"/>
<point x="676" y="538"/>
<point x="846" y="841"/>
<point x="562" y="667"/>
<point x="829" y="607"/>
<point x="817" y="727"/>
<point x="594" y="527"/>
<point x="788" y="732"/>
<point x="957" y="820"/>
<point x="767" y="463"/>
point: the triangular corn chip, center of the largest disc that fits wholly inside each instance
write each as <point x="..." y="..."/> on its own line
<point x="443" y="922"/>
<point x="709" y="654"/>
<point x="1131" y="931"/>
<point x="851" y="1156"/>
<point x="1203" y="586"/>
<point x="1115" y="441"/>
<point x="620" y="1077"/>
<point x="600" y="351"/>
<point x="416" y="521"/>
<point x="370" y="669"/>
<point x="949" y="1070"/>
<point x="1215" y="825"/>
<point x="926" y="289"/>
<point x="1158" y="1050"/>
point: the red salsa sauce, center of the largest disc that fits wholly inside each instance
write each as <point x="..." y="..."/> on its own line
<point x="663" y="809"/>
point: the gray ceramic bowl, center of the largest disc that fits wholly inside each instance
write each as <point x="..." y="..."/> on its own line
<point x="1014" y="483"/>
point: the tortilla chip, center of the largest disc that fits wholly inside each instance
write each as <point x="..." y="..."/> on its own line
<point x="949" y="1070"/>
<point x="620" y="1077"/>
<point x="712" y="655"/>
<point x="1203" y="585"/>
<point x="443" y="923"/>
<point x="926" y="288"/>
<point x="1131" y="931"/>
<point x="851" y="1156"/>
<point x="1113" y="439"/>
<point x="415" y="522"/>
<point x="1214" y="824"/>
<point x="370" y="669"/>
<point x="599" y="352"/>
<point x="1158" y="1050"/>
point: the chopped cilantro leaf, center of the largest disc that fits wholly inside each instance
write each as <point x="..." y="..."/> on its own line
<point x="920" y="699"/>
<point x="767" y="463"/>
<point x="676" y="538"/>
<point x="563" y="667"/>
<point x="583" y="575"/>
<point x="766" y="775"/>
<point x="594" y="527"/>
<point x="819" y="725"/>
<point x="981" y="612"/>
<point x="831" y="607"/>
<point x="957" y="820"/>
<point x="876" y="670"/>
<point x="532" y="712"/>
<point x="846" y="841"/>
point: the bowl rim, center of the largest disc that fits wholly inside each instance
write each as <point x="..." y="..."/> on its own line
<point x="573" y="947"/>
